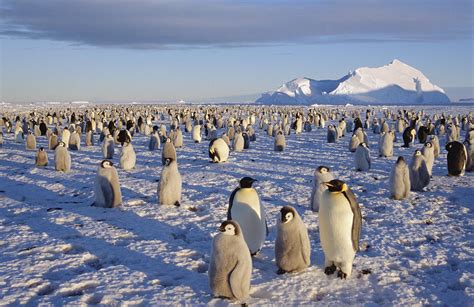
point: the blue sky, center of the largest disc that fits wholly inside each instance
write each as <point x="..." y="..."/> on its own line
<point x="143" y="50"/>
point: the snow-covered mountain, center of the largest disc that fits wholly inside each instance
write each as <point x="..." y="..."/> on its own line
<point x="396" y="82"/>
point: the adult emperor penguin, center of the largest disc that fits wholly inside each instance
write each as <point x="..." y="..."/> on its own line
<point x="169" y="188"/>
<point x="292" y="245"/>
<point x="197" y="133"/>
<point x="332" y="134"/>
<point x="321" y="175"/>
<point x="428" y="153"/>
<point x="419" y="174"/>
<point x="245" y="208"/>
<point x="128" y="158"/>
<point x="62" y="158"/>
<point x="457" y="158"/>
<point x="218" y="150"/>
<point x="107" y="186"/>
<point x="108" y="147"/>
<point x="41" y="158"/>
<point x="408" y="136"/>
<point x="340" y="222"/>
<point x="230" y="265"/>
<point x="362" y="158"/>
<point x="399" y="182"/>
<point x="169" y="152"/>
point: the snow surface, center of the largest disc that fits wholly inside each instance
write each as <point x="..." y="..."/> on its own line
<point x="394" y="83"/>
<point x="56" y="249"/>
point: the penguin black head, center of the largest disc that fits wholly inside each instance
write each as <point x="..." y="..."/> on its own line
<point x="246" y="182"/>
<point x="417" y="153"/>
<point x="41" y="149"/>
<point x="336" y="186"/>
<point x="400" y="160"/>
<point x="168" y="161"/>
<point x="428" y="144"/>
<point x="230" y="227"/>
<point x="323" y="169"/>
<point x="106" y="164"/>
<point x="62" y="144"/>
<point x="287" y="214"/>
<point x="168" y="140"/>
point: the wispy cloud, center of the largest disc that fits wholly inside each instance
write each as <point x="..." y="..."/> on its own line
<point x="173" y="24"/>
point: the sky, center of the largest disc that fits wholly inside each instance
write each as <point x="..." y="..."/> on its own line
<point x="146" y="50"/>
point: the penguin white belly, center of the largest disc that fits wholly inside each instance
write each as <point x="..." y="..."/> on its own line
<point x="335" y="226"/>
<point x="246" y="210"/>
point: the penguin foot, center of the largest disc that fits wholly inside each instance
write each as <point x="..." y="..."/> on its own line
<point x="341" y="275"/>
<point x="330" y="270"/>
<point x="177" y="204"/>
<point x="280" y="272"/>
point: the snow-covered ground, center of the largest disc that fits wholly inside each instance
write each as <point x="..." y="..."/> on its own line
<point x="57" y="249"/>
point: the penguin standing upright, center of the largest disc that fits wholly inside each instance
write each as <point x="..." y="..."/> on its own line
<point x="169" y="152"/>
<point x="108" y="147"/>
<point x="154" y="143"/>
<point x="408" y="136"/>
<point x="169" y="188"/>
<point x="197" y="134"/>
<point x="386" y="144"/>
<point x="457" y="158"/>
<point x="321" y="175"/>
<point x="62" y="158"/>
<point x="340" y="223"/>
<point x="419" y="174"/>
<point x="433" y="139"/>
<point x="354" y="142"/>
<point x="332" y="134"/>
<point x="399" y="182"/>
<point x="428" y="152"/>
<point x="74" y="141"/>
<point x="230" y="265"/>
<point x="245" y="208"/>
<point x="470" y="155"/>
<point x="128" y="158"/>
<point x="65" y="136"/>
<point x="238" y="142"/>
<point x="218" y="150"/>
<point x="280" y="142"/>
<point x="31" y="141"/>
<point x="107" y="186"/>
<point x="41" y="158"/>
<point x="52" y="141"/>
<point x="362" y="158"/>
<point x="292" y="245"/>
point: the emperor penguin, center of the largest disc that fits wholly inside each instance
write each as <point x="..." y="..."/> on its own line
<point x="107" y="186"/>
<point x="74" y="141"/>
<point x="408" y="136"/>
<point x="321" y="175"/>
<point x="428" y="153"/>
<point x="363" y="138"/>
<point x="470" y="155"/>
<point x="280" y="142"/>
<point x="41" y="158"/>
<point x="52" y="141"/>
<point x="108" y="147"/>
<point x="169" y="188"/>
<point x="218" y="150"/>
<point x="354" y="143"/>
<point x="154" y="143"/>
<point x="178" y="138"/>
<point x="386" y="144"/>
<point x="457" y="158"/>
<point x="362" y="158"/>
<point x="31" y="141"/>
<point x="332" y="134"/>
<point x="419" y="175"/>
<point x="292" y="245"/>
<point x="399" y="182"/>
<point x="62" y="158"/>
<point x="197" y="134"/>
<point x="65" y="136"/>
<point x="89" y="138"/>
<point x="230" y="265"/>
<point x="245" y="208"/>
<point x="340" y="223"/>
<point x="169" y="152"/>
<point x="128" y="158"/>
<point x="433" y="139"/>
<point x="225" y="138"/>
<point x="238" y="142"/>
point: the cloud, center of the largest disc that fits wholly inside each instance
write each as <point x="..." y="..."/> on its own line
<point x="149" y="24"/>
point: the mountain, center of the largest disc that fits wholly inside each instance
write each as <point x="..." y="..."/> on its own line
<point x="394" y="83"/>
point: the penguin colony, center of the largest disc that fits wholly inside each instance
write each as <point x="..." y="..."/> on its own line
<point x="245" y="231"/>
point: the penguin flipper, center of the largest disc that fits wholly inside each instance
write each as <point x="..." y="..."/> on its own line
<point x="231" y="200"/>
<point x="356" y="220"/>
<point x="237" y="280"/>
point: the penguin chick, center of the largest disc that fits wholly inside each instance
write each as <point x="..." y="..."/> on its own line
<point x="292" y="245"/>
<point x="107" y="186"/>
<point x="419" y="175"/>
<point x="169" y="152"/>
<point x="362" y="158"/>
<point x="321" y="175"/>
<point x="62" y="158"/>
<point x="399" y="182"/>
<point x="218" y="150"/>
<point x="230" y="265"/>
<point x="41" y="158"/>
<point x="128" y="157"/>
<point x="169" y="188"/>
